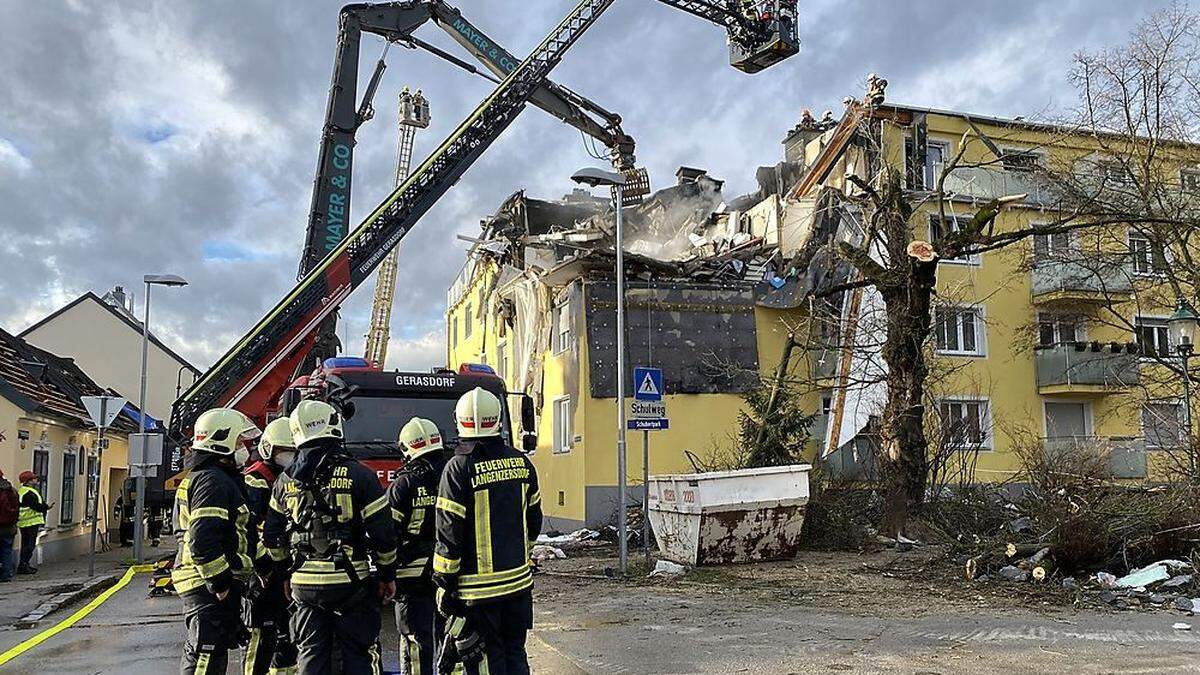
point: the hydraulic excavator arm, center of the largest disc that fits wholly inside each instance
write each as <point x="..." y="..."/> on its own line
<point x="254" y="372"/>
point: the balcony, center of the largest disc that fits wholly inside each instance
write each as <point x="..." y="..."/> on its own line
<point x="1083" y="368"/>
<point x="981" y="184"/>
<point x="1074" y="281"/>
<point x="1126" y="457"/>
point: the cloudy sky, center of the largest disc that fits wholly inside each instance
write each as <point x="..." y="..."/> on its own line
<point x="174" y="136"/>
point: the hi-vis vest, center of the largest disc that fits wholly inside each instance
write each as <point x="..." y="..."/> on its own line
<point x="217" y="538"/>
<point x="329" y="532"/>
<point x="29" y="517"/>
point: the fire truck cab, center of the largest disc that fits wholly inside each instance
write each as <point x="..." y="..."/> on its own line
<point x="377" y="403"/>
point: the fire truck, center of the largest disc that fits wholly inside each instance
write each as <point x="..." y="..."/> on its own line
<point x="377" y="403"/>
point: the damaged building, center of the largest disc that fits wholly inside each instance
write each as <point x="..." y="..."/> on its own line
<point x="537" y="301"/>
<point x="717" y="283"/>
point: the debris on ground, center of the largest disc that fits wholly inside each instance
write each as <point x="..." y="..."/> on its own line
<point x="542" y="552"/>
<point x="576" y="537"/>
<point x="1152" y="574"/>
<point x="666" y="568"/>
<point x="1179" y="625"/>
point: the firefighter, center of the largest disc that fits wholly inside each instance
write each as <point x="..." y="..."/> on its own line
<point x="216" y="554"/>
<point x="270" y="651"/>
<point x="413" y="495"/>
<point x="328" y="520"/>
<point x="488" y="510"/>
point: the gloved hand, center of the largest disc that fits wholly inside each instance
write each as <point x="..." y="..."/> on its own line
<point x="448" y="603"/>
<point x="470" y="647"/>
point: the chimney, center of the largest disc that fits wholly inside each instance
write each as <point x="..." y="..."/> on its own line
<point x="688" y="174"/>
<point x="118" y="298"/>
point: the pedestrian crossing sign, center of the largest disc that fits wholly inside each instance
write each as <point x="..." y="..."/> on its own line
<point x="648" y="384"/>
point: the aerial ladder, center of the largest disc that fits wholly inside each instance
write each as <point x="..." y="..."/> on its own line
<point x="414" y="114"/>
<point x="256" y="369"/>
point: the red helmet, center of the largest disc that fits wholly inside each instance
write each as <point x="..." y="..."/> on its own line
<point x="26" y="476"/>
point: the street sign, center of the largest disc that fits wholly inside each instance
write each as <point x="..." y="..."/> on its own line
<point x="648" y="383"/>
<point x="145" y="450"/>
<point x="648" y="409"/>
<point x="103" y="409"/>
<point x="656" y="424"/>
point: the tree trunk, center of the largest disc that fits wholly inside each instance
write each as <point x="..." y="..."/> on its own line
<point x="904" y="459"/>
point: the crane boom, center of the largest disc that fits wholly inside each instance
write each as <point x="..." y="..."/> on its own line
<point x="252" y="374"/>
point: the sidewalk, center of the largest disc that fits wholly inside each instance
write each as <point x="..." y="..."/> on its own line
<point x="25" y="592"/>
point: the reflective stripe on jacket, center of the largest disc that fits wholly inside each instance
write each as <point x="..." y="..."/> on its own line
<point x="218" y="538"/>
<point x="30" y="516"/>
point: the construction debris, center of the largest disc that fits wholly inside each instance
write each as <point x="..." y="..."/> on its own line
<point x="666" y="568"/>
<point x="542" y="552"/>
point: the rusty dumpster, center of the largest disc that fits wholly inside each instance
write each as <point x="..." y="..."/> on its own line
<point x="745" y="515"/>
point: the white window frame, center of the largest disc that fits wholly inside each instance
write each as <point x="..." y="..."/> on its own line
<point x="1149" y="273"/>
<point x="562" y="425"/>
<point x="467" y="322"/>
<point x="562" y="327"/>
<point x="1056" y="319"/>
<point x="1181" y="441"/>
<point x="980" y="330"/>
<point x="1159" y="323"/>
<point x="985" y="421"/>
<point x="1089" y="427"/>
<point x="1052" y="253"/>
<point x="1192" y="172"/>
<point x="502" y="359"/>
<point x="970" y="260"/>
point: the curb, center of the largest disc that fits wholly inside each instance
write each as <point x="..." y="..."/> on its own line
<point x="90" y="588"/>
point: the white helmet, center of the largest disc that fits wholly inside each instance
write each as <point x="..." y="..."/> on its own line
<point x="276" y="437"/>
<point x="477" y="414"/>
<point x="220" y="430"/>
<point x="420" y="436"/>
<point x="314" y="420"/>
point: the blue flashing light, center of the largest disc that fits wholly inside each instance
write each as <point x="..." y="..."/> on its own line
<point x="346" y="362"/>
<point x="476" y="368"/>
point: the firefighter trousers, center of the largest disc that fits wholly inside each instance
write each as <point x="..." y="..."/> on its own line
<point x="270" y="651"/>
<point x="213" y="627"/>
<point x="343" y="614"/>
<point x="503" y="625"/>
<point x="420" y="628"/>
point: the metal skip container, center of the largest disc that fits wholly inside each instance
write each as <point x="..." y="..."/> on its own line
<point x="745" y="515"/>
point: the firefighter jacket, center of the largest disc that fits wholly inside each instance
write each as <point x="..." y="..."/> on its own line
<point x="488" y="509"/>
<point x="412" y="496"/>
<point x="218" y="537"/>
<point x="329" y="534"/>
<point x="258" y="478"/>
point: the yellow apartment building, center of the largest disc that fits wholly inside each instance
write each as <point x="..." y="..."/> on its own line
<point x="1053" y="342"/>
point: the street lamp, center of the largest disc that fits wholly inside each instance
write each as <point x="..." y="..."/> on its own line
<point x="1182" y="329"/>
<point x="139" y="510"/>
<point x="596" y="177"/>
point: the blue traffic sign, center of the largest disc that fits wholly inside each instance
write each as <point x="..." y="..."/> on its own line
<point x="654" y="424"/>
<point x="648" y="384"/>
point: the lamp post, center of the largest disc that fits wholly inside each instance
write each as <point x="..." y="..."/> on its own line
<point x="139" y="510"/>
<point x="1182" y="329"/>
<point x="593" y="178"/>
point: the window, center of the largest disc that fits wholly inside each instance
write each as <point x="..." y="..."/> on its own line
<point x="1153" y="336"/>
<point x="93" y="486"/>
<point x="1054" y="329"/>
<point x="66" y="507"/>
<point x="467" y="322"/>
<point x="1113" y="171"/>
<point x="940" y="227"/>
<point x="562" y="323"/>
<point x="959" y="330"/>
<point x="936" y="153"/>
<point x="1189" y="180"/>
<point x="453" y="331"/>
<point x="1145" y="261"/>
<point x="563" y="424"/>
<point x="1056" y="246"/>
<point x="41" y="466"/>
<point x="965" y="423"/>
<point x="1020" y="160"/>
<point x="1162" y="424"/>
<point x="502" y="359"/>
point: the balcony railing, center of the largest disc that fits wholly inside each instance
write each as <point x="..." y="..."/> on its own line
<point x="1099" y="279"/>
<point x="1125" y="456"/>
<point x="1080" y="367"/>
<point x="985" y="183"/>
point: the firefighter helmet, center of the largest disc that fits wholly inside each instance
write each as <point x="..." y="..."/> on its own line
<point x="420" y="436"/>
<point x="221" y="430"/>
<point x="477" y="414"/>
<point x="312" y="421"/>
<point x="276" y="437"/>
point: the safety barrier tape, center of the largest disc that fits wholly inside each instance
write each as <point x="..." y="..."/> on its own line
<point x="74" y="618"/>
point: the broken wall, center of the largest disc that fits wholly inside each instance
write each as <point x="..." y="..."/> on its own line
<point x="703" y="336"/>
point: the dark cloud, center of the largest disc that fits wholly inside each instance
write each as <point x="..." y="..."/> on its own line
<point x="182" y="137"/>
